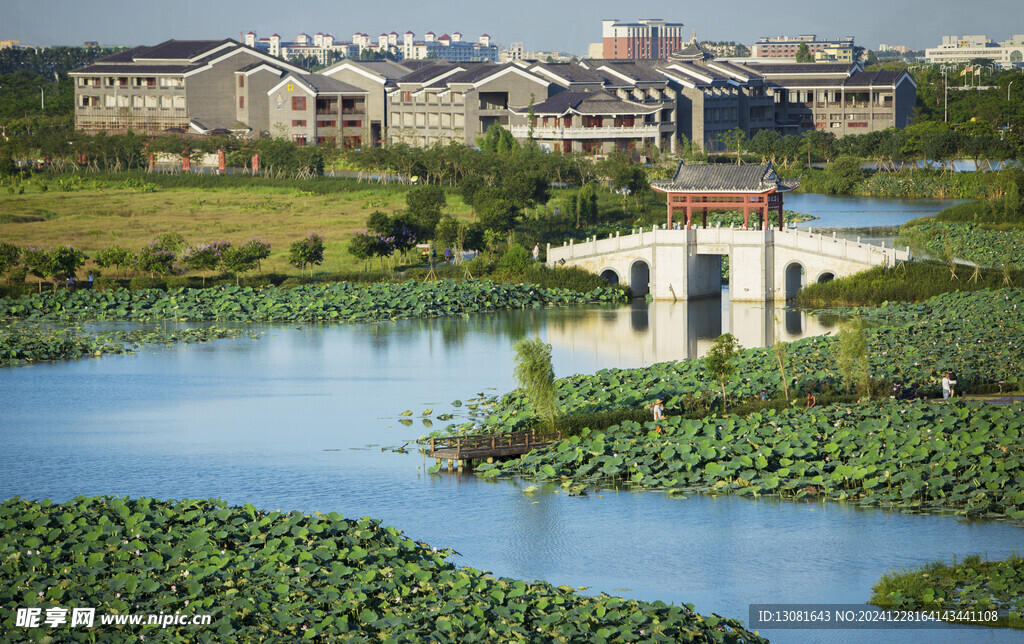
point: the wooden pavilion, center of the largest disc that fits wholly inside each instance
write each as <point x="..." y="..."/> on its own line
<point x="745" y="188"/>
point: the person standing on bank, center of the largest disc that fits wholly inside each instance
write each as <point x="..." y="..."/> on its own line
<point x="536" y="252"/>
<point x="658" y="409"/>
<point x="948" y="385"/>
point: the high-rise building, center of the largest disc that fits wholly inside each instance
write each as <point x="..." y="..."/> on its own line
<point x="650" y="39"/>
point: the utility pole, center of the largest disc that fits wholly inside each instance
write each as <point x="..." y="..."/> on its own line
<point x="945" y="97"/>
<point x="42" y="99"/>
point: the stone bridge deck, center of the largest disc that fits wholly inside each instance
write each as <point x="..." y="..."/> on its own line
<point x="764" y="264"/>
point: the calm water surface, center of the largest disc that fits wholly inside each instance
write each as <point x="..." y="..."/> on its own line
<point x="297" y="420"/>
<point x="872" y="219"/>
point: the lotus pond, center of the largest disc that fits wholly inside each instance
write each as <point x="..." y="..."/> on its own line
<point x="306" y="419"/>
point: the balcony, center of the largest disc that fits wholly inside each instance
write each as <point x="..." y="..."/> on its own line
<point x="573" y="133"/>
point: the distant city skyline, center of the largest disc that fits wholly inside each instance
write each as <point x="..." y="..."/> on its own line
<point x="539" y="25"/>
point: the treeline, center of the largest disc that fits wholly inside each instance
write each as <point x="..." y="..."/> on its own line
<point x="887" y="149"/>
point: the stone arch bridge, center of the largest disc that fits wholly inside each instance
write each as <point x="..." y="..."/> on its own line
<point x="764" y="265"/>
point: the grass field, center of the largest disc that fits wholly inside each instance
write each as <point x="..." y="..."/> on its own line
<point x="93" y="218"/>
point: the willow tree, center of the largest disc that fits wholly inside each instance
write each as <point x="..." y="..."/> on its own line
<point x="536" y="377"/>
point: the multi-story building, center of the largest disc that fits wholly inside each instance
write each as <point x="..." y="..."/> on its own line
<point x="840" y="50"/>
<point x="964" y="49"/>
<point x="594" y="106"/>
<point x="377" y="78"/>
<point x="592" y="123"/>
<point x="320" y="47"/>
<point x="650" y="39"/>
<point x="838" y="98"/>
<point x="178" y="85"/>
<point x="445" y="101"/>
<point x="314" y="108"/>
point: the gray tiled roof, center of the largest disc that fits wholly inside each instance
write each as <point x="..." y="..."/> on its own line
<point x="600" y="102"/>
<point x="476" y="71"/>
<point x="864" y="79"/>
<point x="328" y="85"/>
<point x="637" y="70"/>
<point x="261" y="63"/>
<point x="127" y="68"/>
<point x="743" y="70"/>
<point x="571" y="72"/>
<point x="724" y="178"/>
<point x="125" y="56"/>
<point x="801" y="68"/>
<point x="429" y="72"/>
<point x="180" y="49"/>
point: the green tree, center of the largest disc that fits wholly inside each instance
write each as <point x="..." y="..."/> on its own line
<point x="364" y="246"/>
<point x="497" y="140"/>
<point x="154" y="259"/>
<point x="63" y="263"/>
<point x="733" y="141"/>
<point x="851" y="356"/>
<point x="586" y="205"/>
<point x="515" y="261"/>
<point x="424" y="205"/>
<point x="803" y="54"/>
<point x="447" y="233"/>
<point x="718" y="360"/>
<point x="239" y="259"/>
<point x="9" y="255"/>
<point x="37" y="261"/>
<point x="115" y="256"/>
<point x="203" y="257"/>
<point x="842" y="175"/>
<point x="495" y="211"/>
<point x="259" y="249"/>
<point x="536" y="377"/>
<point x="307" y="252"/>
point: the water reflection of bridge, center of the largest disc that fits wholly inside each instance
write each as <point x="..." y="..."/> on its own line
<point x="645" y="333"/>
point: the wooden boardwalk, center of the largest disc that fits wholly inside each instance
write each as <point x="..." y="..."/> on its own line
<point x="460" y="450"/>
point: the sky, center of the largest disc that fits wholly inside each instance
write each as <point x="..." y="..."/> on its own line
<point x="542" y="25"/>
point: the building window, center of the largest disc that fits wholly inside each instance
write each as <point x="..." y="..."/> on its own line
<point x="241" y="102"/>
<point x="299" y="123"/>
<point x="298" y="103"/>
<point x="327" y="124"/>
<point x="353" y="124"/>
<point x="241" y="81"/>
<point x="299" y="140"/>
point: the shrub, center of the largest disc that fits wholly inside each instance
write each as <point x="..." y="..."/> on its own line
<point x="105" y="283"/>
<point x="140" y="282"/>
<point x="515" y="261"/>
<point x="178" y="281"/>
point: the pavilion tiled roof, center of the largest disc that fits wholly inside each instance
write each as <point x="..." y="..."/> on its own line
<point x="725" y="178"/>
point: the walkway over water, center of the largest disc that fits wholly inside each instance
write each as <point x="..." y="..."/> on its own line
<point x="456" y="449"/>
<point x="764" y="265"/>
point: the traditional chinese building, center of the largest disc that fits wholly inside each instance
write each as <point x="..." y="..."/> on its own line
<point x="749" y="189"/>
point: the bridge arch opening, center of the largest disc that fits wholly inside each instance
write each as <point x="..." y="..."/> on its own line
<point x="610" y="276"/>
<point x="640" y="278"/>
<point x="794" y="279"/>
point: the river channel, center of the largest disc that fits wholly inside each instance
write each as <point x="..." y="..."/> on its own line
<point x="302" y="419"/>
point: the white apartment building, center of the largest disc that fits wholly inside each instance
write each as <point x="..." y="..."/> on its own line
<point x="963" y="49"/>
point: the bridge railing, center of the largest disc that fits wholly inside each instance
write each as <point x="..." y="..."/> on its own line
<point x="808" y="241"/>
